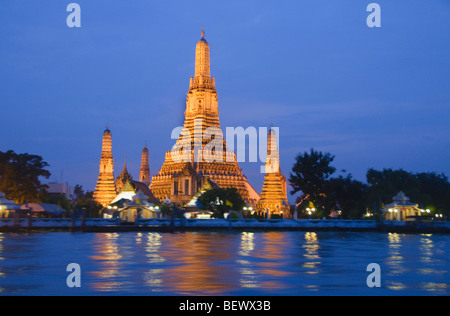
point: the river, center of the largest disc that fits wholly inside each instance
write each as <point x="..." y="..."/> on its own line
<point x="224" y="263"/>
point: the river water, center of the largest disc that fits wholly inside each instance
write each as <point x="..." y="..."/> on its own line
<point x="225" y="263"/>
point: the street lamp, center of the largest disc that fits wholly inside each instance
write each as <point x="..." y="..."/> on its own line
<point x="310" y="210"/>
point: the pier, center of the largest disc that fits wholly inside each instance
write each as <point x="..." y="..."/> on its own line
<point x="176" y="224"/>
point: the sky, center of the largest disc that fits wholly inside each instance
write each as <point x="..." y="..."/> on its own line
<point x="372" y="97"/>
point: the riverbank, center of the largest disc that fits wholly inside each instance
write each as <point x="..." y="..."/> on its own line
<point x="169" y="225"/>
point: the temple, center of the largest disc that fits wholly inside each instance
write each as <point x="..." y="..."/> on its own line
<point x="144" y="173"/>
<point x="273" y="200"/>
<point x="192" y="160"/>
<point x="105" y="190"/>
<point x="199" y="159"/>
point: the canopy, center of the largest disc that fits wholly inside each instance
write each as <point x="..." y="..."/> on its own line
<point x="52" y="209"/>
<point x="8" y="204"/>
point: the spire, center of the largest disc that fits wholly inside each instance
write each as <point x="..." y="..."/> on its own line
<point x="273" y="154"/>
<point x="274" y="194"/>
<point x="144" y="174"/>
<point x="105" y="189"/>
<point x="202" y="66"/>
<point x="124" y="170"/>
<point x="107" y="141"/>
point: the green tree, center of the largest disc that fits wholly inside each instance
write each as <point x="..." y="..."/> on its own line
<point x="221" y="200"/>
<point x="20" y="176"/>
<point x="86" y="202"/>
<point x="428" y="189"/>
<point x="435" y="191"/>
<point x="58" y="199"/>
<point x="310" y="175"/>
<point x="348" y="195"/>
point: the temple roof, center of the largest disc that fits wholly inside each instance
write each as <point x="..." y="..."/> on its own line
<point x="400" y="200"/>
<point x="124" y="175"/>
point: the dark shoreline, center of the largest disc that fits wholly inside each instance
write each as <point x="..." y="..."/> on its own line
<point x="414" y="229"/>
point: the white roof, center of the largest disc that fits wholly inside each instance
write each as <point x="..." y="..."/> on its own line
<point x="7" y="203"/>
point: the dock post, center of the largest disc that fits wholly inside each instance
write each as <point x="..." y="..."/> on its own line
<point x="83" y="220"/>
<point x="72" y="225"/>
<point x="30" y="218"/>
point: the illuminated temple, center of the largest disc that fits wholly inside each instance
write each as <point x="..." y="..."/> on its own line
<point x="181" y="177"/>
<point x="274" y="195"/>
<point x="193" y="163"/>
<point x="105" y="191"/>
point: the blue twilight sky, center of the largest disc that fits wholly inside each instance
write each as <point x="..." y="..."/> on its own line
<point x="373" y="97"/>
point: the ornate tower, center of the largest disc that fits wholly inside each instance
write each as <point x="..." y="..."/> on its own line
<point x="191" y="162"/>
<point x="144" y="174"/>
<point x="122" y="178"/>
<point x="105" y="191"/>
<point x="274" y="194"/>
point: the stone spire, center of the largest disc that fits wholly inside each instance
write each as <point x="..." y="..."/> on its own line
<point x="105" y="190"/>
<point x="144" y="174"/>
<point x="274" y="195"/>
<point x="201" y="99"/>
<point x="273" y="153"/>
<point x="202" y="61"/>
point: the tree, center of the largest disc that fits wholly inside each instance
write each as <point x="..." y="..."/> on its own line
<point x="310" y="174"/>
<point x="221" y="200"/>
<point x="347" y="194"/>
<point x="78" y="192"/>
<point x="86" y="202"/>
<point x="387" y="183"/>
<point x="20" y="176"/>
<point x="435" y="191"/>
<point x="428" y="189"/>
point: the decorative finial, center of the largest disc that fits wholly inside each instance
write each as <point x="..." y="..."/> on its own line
<point x="203" y="31"/>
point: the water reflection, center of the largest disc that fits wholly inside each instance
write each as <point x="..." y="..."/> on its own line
<point x="431" y="266"/>
<point x="200" y="264"/>
<point x="152" y="248"/>
<point x="2" y="274"/>
<point x="426" y="248"/>
<point x="311" y="247"/>
<point x="107" y="258"/>
<point x="227" y="263"/>
<point x="248" y="276"/>
<point x="395" y="261"/>
<point x="153" y="277"/>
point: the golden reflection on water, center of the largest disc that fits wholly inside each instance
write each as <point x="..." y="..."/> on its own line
<point x="271" y="261"/>
<point x="197" y="259"/>
<point x="107" y="257"/>
<point x="436" y="287"/>
<point x="153" y="277"/>
<point x="426" y="248"/>
<point x="219" y="263"/>
<point x="395" y="260"/>
<point x="427" y="251"/>
<point x="311" y="247"/>
<point x="248" y="277"/>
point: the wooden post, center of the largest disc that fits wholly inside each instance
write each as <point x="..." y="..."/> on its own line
<point x="30" y="219"/>
<point x="72" y="225"/>
<point x="83" y="220"/>
<point x="16" y="222"/>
